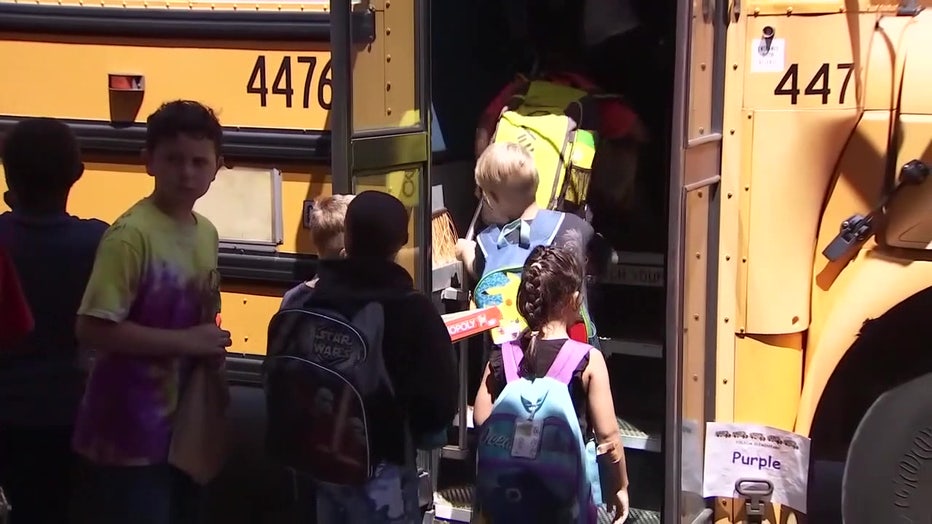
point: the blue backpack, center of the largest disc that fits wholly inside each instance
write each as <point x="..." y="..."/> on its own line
<point x="504" y="261"/>
<point x="531" y="458"/>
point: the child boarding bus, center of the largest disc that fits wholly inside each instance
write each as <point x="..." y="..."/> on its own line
<point x="779" y="278"/>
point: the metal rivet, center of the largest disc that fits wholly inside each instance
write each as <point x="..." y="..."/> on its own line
<point x="695" y="317"/>
<point x="724" y="381"/>
<point x="727" y="257"/>
<point x="729" y="195"/>
<point x="731" y="131"/>
<point x="726" y="320"/>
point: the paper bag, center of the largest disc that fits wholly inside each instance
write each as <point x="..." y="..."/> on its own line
<point x="199" y="440"/>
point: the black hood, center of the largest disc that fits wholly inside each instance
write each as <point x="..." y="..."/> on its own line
<point x="361" y="277"/>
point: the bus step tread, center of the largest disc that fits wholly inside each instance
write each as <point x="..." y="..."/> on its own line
<point x="641" y="435"/>
<point x="631" y="347"/>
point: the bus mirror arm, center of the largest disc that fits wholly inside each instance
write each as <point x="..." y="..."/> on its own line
<point x="857" y="228"/>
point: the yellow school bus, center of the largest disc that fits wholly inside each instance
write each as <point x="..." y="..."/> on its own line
<point x="796" y="262"/>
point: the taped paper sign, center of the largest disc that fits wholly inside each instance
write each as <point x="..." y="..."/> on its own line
<point x="753" y="452"/>
<point x="768" y="55"/>
<point x="465" y="324"/>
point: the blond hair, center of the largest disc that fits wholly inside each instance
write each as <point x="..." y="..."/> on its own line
<point x="327" y="224"/>
<point x="507" y="167"/>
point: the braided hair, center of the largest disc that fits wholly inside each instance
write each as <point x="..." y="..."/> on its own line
<point x="550" y="277"/>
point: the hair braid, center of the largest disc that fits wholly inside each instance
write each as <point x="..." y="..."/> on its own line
<point x="550" y="277"/>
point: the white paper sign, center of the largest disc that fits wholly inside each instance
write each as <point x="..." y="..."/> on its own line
<point x="750" y="451"/>
<point x="768" y="56"/>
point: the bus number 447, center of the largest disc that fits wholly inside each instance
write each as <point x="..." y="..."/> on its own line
<point x="282" y="84"/>
<point x="818" y="85"/>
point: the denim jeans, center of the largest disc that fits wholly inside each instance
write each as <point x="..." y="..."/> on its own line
<point x="157" y="494"/>
<point x="389" y="498"/>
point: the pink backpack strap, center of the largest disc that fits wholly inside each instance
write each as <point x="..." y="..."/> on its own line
<point x="568" y="359"/>
<point x="511" y="357"/>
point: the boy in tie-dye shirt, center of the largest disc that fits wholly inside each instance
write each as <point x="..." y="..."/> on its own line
<point x="148" y="315"/>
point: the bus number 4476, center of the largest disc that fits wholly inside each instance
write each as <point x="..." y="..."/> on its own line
<point x="282" y="84"/>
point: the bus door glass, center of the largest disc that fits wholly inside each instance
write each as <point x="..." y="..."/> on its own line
<point x="692" y="253"/>
<point x="380" y="119"/>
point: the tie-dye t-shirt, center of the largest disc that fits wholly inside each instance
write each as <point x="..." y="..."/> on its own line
<point x="159" y="273"/>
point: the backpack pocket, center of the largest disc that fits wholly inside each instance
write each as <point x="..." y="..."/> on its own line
<point x="581" y="153"/>
<point x="317" y="422"/>
<point x="500" y="288"/>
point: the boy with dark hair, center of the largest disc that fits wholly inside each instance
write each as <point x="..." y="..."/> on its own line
<point x="414" y="396"/>
<point x="40" y="380"/>
<point x="149" y="314"/>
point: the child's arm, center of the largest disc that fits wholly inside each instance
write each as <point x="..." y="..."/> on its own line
<point x="482" y="407"/>
<point x="466" y="253"/>
<point x="102" y="323"/>
<point x="605" y="425"/>
<point x="433" y="386"/>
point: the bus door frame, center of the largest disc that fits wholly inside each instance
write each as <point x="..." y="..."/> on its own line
<point x="356" y="154"/>
<point x="692" y="249"/>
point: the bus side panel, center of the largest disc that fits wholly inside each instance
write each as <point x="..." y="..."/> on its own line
<point x="273" y="85"/>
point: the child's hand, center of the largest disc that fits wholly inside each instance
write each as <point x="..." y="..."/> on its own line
<point x="465" y="249"/>
<point x="206" y="340"/>
<point x="620" y="505"/>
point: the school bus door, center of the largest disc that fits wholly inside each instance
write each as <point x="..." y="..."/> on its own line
<point x="692" y="253"/>
<point x="380" y="118"/>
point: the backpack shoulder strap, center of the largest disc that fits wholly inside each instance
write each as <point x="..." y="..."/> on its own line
<point x="568" y="359"/>
<point x="511" y="356"/>
<point x="487" y="240"/>
<point x="545" y="225"/>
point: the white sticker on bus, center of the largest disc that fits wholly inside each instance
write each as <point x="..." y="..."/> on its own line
<point x="768" y="55"/>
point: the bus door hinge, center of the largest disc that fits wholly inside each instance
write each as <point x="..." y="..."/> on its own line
<point x="756" y="495"/>
<point x="858" y="228"/>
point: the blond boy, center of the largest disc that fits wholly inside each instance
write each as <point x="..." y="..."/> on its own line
<point x="507" y="180"/>
<point x="327" y="228"/>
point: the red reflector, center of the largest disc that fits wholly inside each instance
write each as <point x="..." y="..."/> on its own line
<point x="126" y="82"/>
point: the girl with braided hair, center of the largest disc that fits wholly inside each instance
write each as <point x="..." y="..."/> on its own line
<point x="549" y="299"/>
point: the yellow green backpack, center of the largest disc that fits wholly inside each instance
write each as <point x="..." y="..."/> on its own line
<point x="556" y="123"/>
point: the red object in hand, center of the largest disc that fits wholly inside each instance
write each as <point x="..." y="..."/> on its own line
<point x="578" y="332"/>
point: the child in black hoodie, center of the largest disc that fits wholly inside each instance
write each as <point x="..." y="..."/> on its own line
<point x="418" y="355"/>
